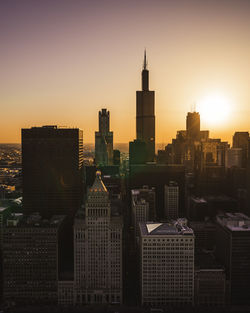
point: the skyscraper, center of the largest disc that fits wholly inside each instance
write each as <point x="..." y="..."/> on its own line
<point x="193" y="126"/>
<point x="30" y="259"/>
<point x="98" y="250"/>
<point x="145" y="114"/>
<point x="104" y="140"/>
<point x="240" y="140"/>
<point x="232" y="250"/>
<point x="171" y="192"/>
<point x="52" y="163"/>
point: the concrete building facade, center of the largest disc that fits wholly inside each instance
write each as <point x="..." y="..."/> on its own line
<point x="171" y="194"/>
<point x="166" y="264"/>
<point x="97" y="250"/>
<point x="30" y="259"/>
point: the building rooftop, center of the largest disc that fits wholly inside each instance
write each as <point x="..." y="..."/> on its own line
<point x="2" y="209"/>
<point x="177" y="227"/>
<point x="198" y="200"/>
<point x="234" y="221"/>
<point x="98" y="185"/>
<point x="33" y="220"/>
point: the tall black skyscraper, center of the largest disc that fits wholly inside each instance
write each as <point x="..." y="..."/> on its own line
<point x="52" y="163"/>
<point x="145" y="114"/>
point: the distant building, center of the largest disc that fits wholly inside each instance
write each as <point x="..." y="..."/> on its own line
<point x="30" y="259"/>
<point x="158" y="175"/>
<point x="116" y="157"/>
<point x="234" y="157"/>
<point x="232" y="250"/>
<point x="240" y="140"/>
<point x="202" y="208"/>
<point x="104" y="140"/>
<point x="193" y="126"/>
<point x="145" y="114"/>
<point x="52" y="167"/>
<point x="97" y="250"/>
<point x="166" y="264"/>
<point x="171" y="194"/>
<point x="137" y="152"/>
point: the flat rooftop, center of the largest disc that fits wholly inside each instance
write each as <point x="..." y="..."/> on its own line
<point x="163" y="229"/>
<point x="234" y="221"/>
<point x="34" y="220"/>
<point x="2" y="209"/>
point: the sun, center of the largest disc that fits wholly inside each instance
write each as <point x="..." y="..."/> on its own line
<point x="214" y="108"/>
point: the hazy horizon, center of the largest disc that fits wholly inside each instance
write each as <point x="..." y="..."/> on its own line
<point x="61" y="62"/>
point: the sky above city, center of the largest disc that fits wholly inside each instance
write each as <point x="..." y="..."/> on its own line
<point x="62" y="61"/>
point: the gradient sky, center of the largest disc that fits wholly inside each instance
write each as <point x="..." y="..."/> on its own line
<point x="62" y="61"/>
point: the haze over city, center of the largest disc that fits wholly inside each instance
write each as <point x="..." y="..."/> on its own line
<point x="62" y="61"/>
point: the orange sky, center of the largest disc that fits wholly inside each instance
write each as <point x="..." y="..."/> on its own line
<point x="62" y="61"/>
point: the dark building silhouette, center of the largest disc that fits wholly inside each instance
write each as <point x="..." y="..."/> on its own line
<point x="52" y="165"/>
<point x="145" y="114"/>
<point x="240" y="140"/>
<point x="210" y="284"/>
<point x="104" y="140"/>
<point x="116" y="157"/>
<point x="148" y="195"/>
<point x="137" y="152"/>
<point x="193" y="125"/>
<point x="158" y="175"/>
<point x="204" y="234"/>
<point x="30" y="259"/>
<point x="232" y="250"/>
<point x="209" y="206"/>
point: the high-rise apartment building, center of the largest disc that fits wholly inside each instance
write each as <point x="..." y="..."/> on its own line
<point x="233" y="251"/>
<point x="171" y="193"/>
<point x="166" y="263"/>
<point x="104" y="140"/>
<point x="30" y="259"/>
<point x="52" y="165"/>
<point x="145" y="114"/>
<point x="97" y="250"/>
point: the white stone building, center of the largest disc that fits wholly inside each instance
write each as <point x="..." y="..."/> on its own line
<point x="166" y="264"/>
<point x="97" y="252"/>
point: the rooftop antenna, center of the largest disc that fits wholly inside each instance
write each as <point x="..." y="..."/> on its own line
<point x="145" y="63"/>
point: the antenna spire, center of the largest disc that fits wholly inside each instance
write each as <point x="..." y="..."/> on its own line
<point x="145" y="63"/>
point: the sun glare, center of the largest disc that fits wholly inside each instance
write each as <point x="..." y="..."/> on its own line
<point x="214" y="108"/>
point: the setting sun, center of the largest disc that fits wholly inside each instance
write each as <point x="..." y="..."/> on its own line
<point x="215" y="108"/>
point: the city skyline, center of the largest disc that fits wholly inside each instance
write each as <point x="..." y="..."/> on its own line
<point x="62" y="63"/>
